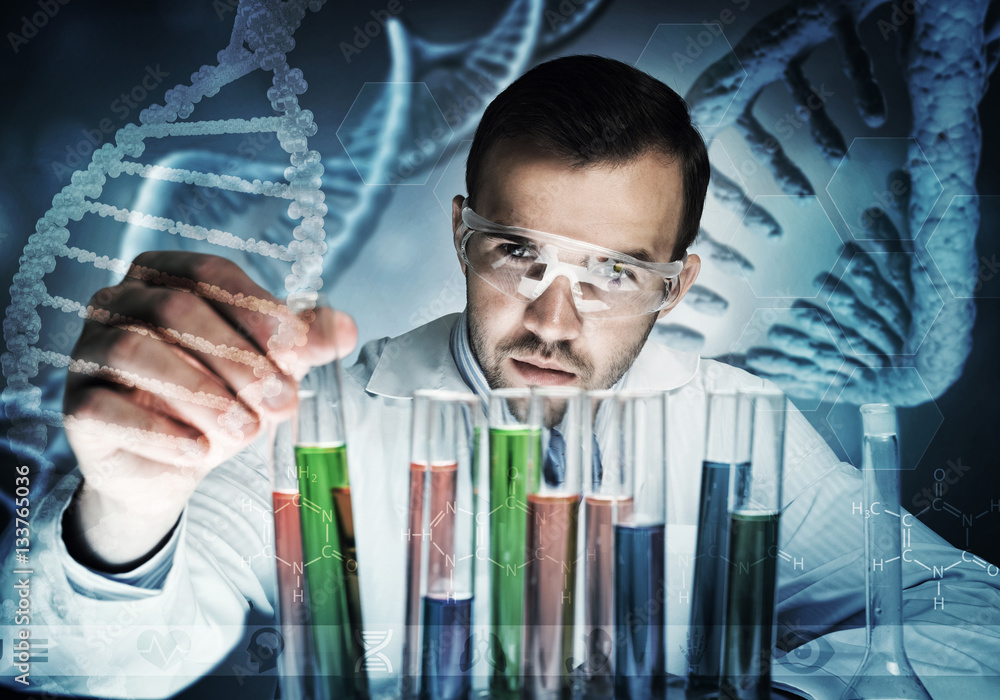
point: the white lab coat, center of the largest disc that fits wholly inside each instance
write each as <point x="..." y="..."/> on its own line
<point x="123" y="641"/>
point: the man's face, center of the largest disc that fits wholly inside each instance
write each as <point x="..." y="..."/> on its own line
<point x="634" y="208"/>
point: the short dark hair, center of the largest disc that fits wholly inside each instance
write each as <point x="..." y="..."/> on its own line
<point x="596" y="110"/>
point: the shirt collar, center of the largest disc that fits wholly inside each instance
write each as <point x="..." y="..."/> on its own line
<point x="439" y="356"/>
<point x="465" y="360"/>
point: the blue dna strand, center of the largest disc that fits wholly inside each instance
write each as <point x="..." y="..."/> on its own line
<point x="394" y="139"/>
<point x="462" y="78"/>
<point x="261" y="37"/>
<point x="886" y="306"/>
<point x="286" y="216"/>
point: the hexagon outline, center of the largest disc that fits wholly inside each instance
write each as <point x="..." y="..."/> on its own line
<point x="930" y="397"/>
<point x="833" y="341"/>
<point x="722" y="34"/>
<point x="934" y="233"/>
<point x="911" y="234"/>
<point x="430" y="168"/>
<point x="916" y="348"/>
<point x="787" y="196"/>
<point x="740" y="181"/>
<point x="458" y="150"/>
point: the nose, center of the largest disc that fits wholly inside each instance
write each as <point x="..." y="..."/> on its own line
<point x="553" y="315"/>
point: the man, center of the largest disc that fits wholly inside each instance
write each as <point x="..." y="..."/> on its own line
<point x="581" y="159"/>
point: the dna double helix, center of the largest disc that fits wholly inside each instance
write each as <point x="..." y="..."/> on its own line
<point x="287" y="218"/>
<point x="892" y="322"/>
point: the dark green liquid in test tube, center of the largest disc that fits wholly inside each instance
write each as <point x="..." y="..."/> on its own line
<point x="331" y="568"/>
<point x="749" y="639"/>
<point x="510" y="449"/>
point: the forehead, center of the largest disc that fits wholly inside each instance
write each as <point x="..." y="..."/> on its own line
<point x="630" y="207"/>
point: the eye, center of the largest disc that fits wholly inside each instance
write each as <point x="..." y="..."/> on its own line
<point x="517" y="250"/>
<point x="615" y="271"/>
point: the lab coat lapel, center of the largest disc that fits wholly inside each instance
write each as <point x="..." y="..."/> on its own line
<point x="660" y="367"/>
<point x="419" y="359"/>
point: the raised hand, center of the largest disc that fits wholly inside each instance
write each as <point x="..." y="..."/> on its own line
<point x="178" y="368"/>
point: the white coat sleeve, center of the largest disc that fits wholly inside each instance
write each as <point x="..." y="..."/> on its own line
<point x="93" y="636"/>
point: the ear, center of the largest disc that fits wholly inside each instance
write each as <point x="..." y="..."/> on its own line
<point x="686" y="279"/>
<point x="457" y="228"/>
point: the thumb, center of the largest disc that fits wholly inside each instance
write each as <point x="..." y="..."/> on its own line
<point x="324" y="335"/>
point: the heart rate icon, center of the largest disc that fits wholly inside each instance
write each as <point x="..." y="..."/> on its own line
<point x="163" y="650"/>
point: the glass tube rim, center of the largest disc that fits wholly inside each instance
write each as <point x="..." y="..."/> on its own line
<point x="511" y="392"/>
<point x="879" y="420"/>
<point x="761" y="392"/>
<point x="446" y="396"/>
<point x="634" y="394"/>
<point x="557" y="392"/>
<point x="601" y="394"/>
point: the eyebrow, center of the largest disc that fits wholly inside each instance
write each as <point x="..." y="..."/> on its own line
<point x="640" y="254"/>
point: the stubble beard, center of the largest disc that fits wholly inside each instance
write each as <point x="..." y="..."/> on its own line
<point x="491" y="362"/>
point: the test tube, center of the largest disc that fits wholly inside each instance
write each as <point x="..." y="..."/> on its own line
<point x="553" y="490"/>
<point x="515" y="449"/>
<point x="712" y="542"/>
<point x="295" y="663"/>
<point x="604" y="504"/>
<point x="885" y="671"/>
<point x="754" y="511"/>
<point x="640" y="548"/>
<point x="440" y="540"/>
<point x="328" y="534"/>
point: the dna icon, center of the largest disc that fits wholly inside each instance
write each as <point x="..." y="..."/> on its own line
<point x="374" y="641"/>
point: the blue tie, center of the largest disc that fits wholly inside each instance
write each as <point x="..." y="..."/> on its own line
<point x="554" y="468"/>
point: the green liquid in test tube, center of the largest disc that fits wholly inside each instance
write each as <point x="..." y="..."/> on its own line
<point x="514" y="447"/>
<point x="328" y="543"/>
<point x="331" y="562"/>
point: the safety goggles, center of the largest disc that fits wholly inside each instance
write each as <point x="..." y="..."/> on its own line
<point x="523" y="263"/>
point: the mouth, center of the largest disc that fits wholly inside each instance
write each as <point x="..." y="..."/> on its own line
<point x="538" y="372"/>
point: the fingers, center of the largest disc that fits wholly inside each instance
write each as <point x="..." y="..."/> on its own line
<point x="293" y="343"/>
<point x="161" y="378"/>
<point x="172" y="369"/>
<point x="219" y="282"/>
<point x="329" y="334"/>
<point x="107" y="426"/>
